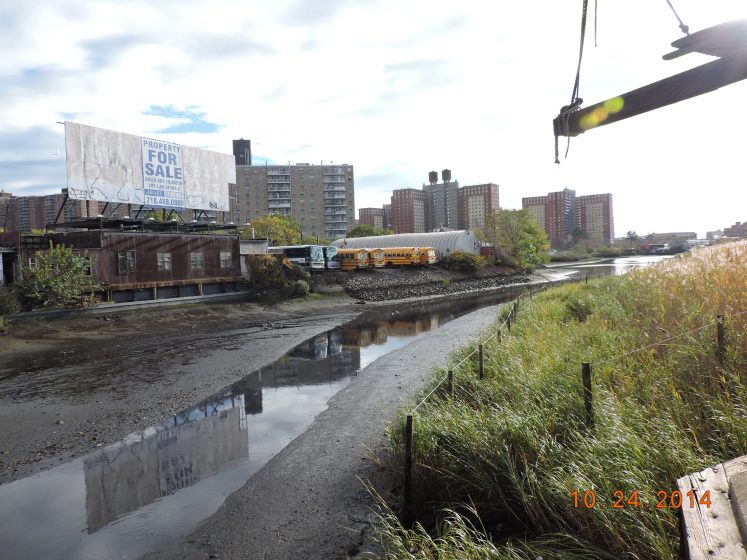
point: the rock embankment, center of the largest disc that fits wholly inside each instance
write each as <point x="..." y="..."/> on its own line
<point x="384" y="285"/>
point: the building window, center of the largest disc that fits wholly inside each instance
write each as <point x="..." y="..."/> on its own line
<point x="164" y="261"/>
<point x="86" y="262"/>
<point x="197" y="260"/>
<point x="126" y="262"/>
<point x="32" y="262"/>
<point x="226" y="259"/>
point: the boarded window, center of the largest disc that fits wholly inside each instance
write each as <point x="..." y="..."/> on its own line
<point x="226" y="259"/>
<point x="163" y="261"/>
<point x="126" y="262"/>
<point x="197" y="260"/>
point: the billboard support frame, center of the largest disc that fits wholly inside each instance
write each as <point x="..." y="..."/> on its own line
<point x="62" y="207"/>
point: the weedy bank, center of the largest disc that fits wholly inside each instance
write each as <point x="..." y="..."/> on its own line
<point x="497" y="464"/>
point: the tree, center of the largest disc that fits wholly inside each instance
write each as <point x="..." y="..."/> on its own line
<point x="364" y="230"/>
<point x="278" y="229"/>
<point x="516" y="234"/>
<point x="631" y="236"/>
<point x="59" y="278"/>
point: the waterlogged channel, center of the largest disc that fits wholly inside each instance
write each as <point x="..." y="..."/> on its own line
<point x="151" y="488"/>
<point x="606" y="267"/>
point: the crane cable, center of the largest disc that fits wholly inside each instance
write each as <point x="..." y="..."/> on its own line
<point x="576" y="101"/>
<point x="685" y="29"/>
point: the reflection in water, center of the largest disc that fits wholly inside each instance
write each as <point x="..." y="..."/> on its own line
<point x="123" y="478"/>
<point x="611" y="267"/>
<point x="156" y="485"/>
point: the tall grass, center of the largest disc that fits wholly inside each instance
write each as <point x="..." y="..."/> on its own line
<point x="496" y="465"/>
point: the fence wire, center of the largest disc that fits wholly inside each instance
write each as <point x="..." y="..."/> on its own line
<point x="482" y="338"/>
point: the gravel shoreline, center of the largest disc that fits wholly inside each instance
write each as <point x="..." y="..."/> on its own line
<point x="388" y="285"/>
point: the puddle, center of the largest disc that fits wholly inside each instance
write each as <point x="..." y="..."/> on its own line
<point x="155" y="486"/>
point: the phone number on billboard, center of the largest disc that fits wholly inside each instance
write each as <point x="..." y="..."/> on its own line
<point x="168" y="202"/>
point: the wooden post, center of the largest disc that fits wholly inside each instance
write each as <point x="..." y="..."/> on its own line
<point x="407" y="513"/>
<point x="499" y="336"/>
<point x="721" y="345"/>
<point x="588" y="396"/>
<point x="450" y="383"/>
<point x="587" y="278"/>
<point x="482" y="363"/>
<point x="508" y="322"/>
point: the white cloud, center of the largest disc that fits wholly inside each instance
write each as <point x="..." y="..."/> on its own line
<point x="395" y="88"/>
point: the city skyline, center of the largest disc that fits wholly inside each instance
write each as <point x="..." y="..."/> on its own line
<point x="434" y="87"/>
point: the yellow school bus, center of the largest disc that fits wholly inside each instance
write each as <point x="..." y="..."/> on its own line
<point x="376" y="258"/>
<point x="401" y="256"/>
<point x="427" y="256"/>
<point x="352" y="259"/>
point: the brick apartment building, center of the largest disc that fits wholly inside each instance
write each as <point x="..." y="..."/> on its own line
<point x="371" y="217"/>
<point x="27" y="213"/>
<point x="476" y="203"/>
<point x="564" y="216"/>
<point x="444" y="205"/>
<point x="409" y="211"/>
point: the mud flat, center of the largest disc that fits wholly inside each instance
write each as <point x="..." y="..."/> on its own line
<point x="309" y="501"/>
<point x="70" y="386"/>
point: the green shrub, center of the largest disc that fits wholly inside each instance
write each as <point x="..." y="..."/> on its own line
<point x="297" y="273"/>
<point x="299" y="288"/>
<point x="270" y="278"/>
<point x="57" y="280"/>
<point x="459" y="260"/>
<point x="607" y="252"/>
<point x="265" y="272"/>
<point x="9" y="303"/>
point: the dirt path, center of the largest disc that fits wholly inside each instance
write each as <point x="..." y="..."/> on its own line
<point x="70" y="386"/>
<point x="309" y="501"/>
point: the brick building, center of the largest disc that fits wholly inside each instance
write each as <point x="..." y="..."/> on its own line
<point x="566" y="217"/>
<point x="476" y="203"/>
<point x="409" y="211"/>
<point x="371" y="217"/>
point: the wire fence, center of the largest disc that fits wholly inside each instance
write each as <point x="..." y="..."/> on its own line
<point x="586" y="373"/>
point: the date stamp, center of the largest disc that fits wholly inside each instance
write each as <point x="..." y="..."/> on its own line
<point x="589" y="499"/>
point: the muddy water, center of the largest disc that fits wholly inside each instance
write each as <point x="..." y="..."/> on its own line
<point x="156" y="485"/>
<point x="609" y="267"/>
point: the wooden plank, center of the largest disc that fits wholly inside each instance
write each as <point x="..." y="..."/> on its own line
<point x="736" y="474"/>
<point x="696" y="81"/>
<point x="710" y="532"/>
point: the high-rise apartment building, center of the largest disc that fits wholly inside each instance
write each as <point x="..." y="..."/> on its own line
<point x="438" y="205"/>
<point x="442" y="202"/>
<point x="409" y="211"/>
<point x="27" y="213"/>
<point x="371" y="217"/>
<point x="320" y="197"/>
<point x="564" y="217"/>
<point x="594" y="218"/>
<point x="387" y="215"/>
<point x="242" y="151"/>
<point x="476" y="203"/>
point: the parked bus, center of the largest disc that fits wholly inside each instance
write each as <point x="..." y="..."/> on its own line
<point x="376" y="258"/>
<point x="331" y="258"/>
<point x="427" y="256"/>
<point x="308" y="256"/>
<point x="353" y="259"/>
<point x="406" y="256"/>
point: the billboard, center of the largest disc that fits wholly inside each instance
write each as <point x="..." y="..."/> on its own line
<point x="121" y="168"/>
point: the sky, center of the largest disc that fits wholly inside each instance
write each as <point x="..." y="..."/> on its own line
<point x="395" y="88"/>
